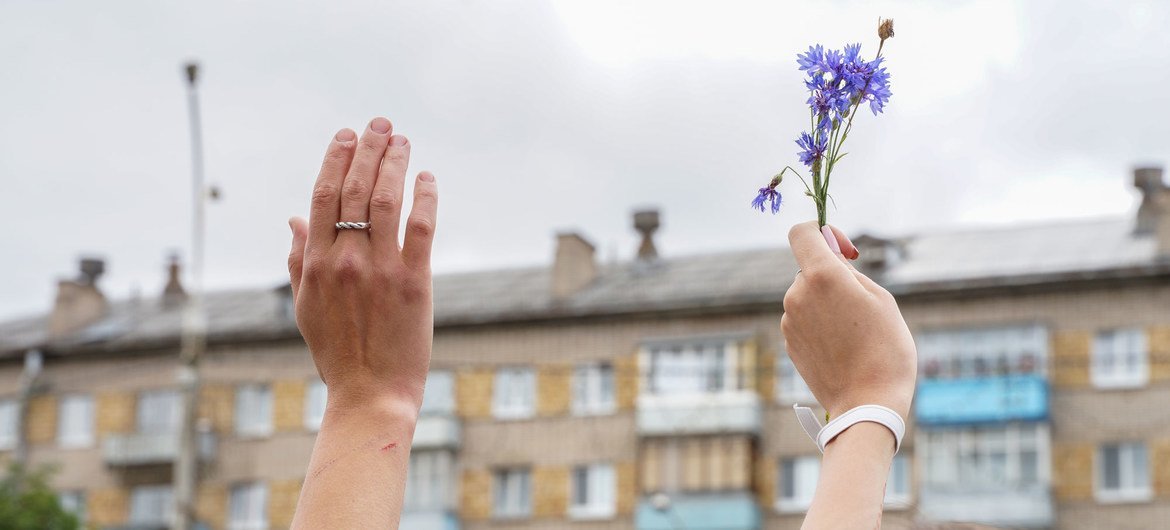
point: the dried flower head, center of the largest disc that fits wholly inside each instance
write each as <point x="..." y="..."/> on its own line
<point x="885" y="28"/>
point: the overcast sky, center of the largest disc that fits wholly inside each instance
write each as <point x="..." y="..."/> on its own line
<point x="539" y="117"/>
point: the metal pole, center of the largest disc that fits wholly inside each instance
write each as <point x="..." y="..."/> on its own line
<point x="194" y="334"/>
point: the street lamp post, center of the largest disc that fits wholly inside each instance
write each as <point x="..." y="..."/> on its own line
<point x="194" y="334"/>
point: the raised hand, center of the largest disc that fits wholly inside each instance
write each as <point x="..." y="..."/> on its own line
<point x="363" y="305"/>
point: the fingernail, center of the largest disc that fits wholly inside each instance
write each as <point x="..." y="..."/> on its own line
<point x="426" y="177"/>
<point x="380" y="125"/>
<point x="397" y="141"/>
<point x="831" y="239"/>
<point x="344" y="135"/>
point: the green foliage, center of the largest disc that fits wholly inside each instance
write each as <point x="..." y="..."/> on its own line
<point x="28" y="503"/>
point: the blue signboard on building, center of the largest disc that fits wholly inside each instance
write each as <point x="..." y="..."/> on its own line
<point x="728" y="511"/>
<point x="981" y="400"/>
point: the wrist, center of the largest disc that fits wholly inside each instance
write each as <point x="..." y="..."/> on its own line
<point x="867" y="439"/>
<point x="369" y="406"/>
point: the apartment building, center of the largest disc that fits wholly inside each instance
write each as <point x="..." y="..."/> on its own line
<point x="650" y="394"/>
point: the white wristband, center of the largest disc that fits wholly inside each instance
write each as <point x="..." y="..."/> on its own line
<point x="872" y="413"/>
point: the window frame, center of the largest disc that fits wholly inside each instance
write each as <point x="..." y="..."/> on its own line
<point x="257" y="424"/>
<point x="165" y="492"/>
<point x="509" y="375"/>
<point x="588" y="388"/>
<point x="9" y="422"/>
<point x="252" y="493"/>
<point x="171" y="423"/>
<point x="316" y="398"/>
<point x="791" y="387"/>
<point x="799" y="502"/>
<point x="1124" y="493"/>
<point x="954" y="448"/>
<point x="983" y="351"/>
<point x="1115" y="377"/>
<point x="503" y="481"/>
<point x="439" y="394"/>
<point x="437" y="477"/>
<point x="600" y="480"/>
<point x="894" y="499"/>
<point x="84" y="436"/>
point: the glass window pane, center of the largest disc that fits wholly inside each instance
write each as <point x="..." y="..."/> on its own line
<point x="787" y="479"/>
<point x="1111" y="467"/>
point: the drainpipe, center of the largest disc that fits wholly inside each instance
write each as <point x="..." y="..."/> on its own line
<point x="33" y="363"/>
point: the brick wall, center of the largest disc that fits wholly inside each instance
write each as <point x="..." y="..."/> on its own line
<point x="107" y="506"/>
<point x="627" y="487"/>
<point x="1072" y="471"/>
<point x="1070" y="358"/>
<point x="288" y="405"/>
<point x="553" y="390"/>
<point x="473" y="393"/>
<point x="42" y="420"/>
<point x="626" y="381"/>
<point x="550" y="491"/>
<point x="282" y="502"/>
<point x="475" y="492"/>
<point x="115" y="413"/>
<point x="1158" y="340"/>
<point x="217" y="403"/>
<point x="211" y="505"/>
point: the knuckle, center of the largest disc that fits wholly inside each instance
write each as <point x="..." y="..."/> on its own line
<point x="294" y="262"/>
<point x="339" y="153"/>
<point x="415" y="290"/>
<point x="324" y="195"/>
<point x="420" y="226"/>
<point x="818" y="277"/>
<point x="347" y="266"/>
<point x="383" y="200"/>
<point x="355" y="189"/>
<point x="395" y="157"/>
<point x="315" y="268"/>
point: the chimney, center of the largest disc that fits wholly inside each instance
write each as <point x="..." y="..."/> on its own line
<point x="79" y="302"/>
<point x="875" y="254"/>
<point x="1153" y="216"/>
<point x="574" y="266"/>
<point x="173" y="294"/>
<point x="646" y="223"/>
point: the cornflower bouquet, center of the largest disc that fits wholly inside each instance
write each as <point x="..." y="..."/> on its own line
<point x="838" y="83"/>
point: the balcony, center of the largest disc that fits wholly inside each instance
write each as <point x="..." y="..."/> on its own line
<point x="1029" y="507"/>
<point x="687" y="414"/>
<point x="714" y="511"/>
<point x="981" y="400"/>
<point x="436" y="432"/>
<point x="429" y="520"/>
<point x="149" y="449"/>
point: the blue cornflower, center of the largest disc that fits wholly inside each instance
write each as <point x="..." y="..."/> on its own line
<point x="878" y="91"/>
<point x="812" y="59"/>
<point x="767" y="195"/>
<point x="828" y="102"/>
<point x="811" y="149"/>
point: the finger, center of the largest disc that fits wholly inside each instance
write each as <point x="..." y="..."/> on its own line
<point x="296" y="255"/>
<point x="420" y="226"/>
<point x="813" y="256"/>
<point x="386" y="200"/>
<point x="848" y="249"/>
<point x="359" y="181"/>
<point x="326" y="204"/>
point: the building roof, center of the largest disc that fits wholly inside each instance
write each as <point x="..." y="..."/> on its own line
<point x="935" y="262"/>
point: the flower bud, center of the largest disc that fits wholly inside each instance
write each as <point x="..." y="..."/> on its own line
<point x="885" y="28"/>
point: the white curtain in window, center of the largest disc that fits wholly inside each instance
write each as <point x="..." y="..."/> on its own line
<point x="75" y="421"/>
<point x="151" y="505"/>
<point x="315" y="400"/>
<point x="248" y="508"/>
<point x="158" y="412"/>
<point x="8" y="411"/>
<point x="439" y="395"/>
<point x="253" y="410"/>
<point x="514" y="393"/>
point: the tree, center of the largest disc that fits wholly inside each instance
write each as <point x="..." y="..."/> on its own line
<point x="28" y="503"/>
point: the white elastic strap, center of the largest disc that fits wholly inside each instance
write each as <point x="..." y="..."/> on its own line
<point x="872" y="413"/>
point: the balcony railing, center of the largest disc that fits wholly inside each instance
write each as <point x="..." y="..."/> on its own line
<point x="981" y="400"/>
<point x="436" y="432"/>
<point x="146" y="449"/>
<point x="705" y="413"/>
<point x="1020" y="507"/>
<point x="713" y="511"/>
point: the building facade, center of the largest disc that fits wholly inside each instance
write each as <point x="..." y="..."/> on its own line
<point x="652" y="394"/>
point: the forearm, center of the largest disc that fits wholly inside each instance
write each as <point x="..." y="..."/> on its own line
<point x="357" y="474"/>
<point x="853" y="479"/>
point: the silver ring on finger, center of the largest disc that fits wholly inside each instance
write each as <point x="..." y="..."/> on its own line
<point x="353" y="225"/>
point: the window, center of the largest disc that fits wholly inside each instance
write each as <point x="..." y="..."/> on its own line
<point x="315" y="398"/>
<point x="8" y="413"/>
<point x="1123" y="472"/>
<point x="592" y="492"/>
<point x="898" y="483"/>
<point x="983" y="352"/>
<point x="514" y="393"/>
<point x="158" y="412"/>
<point x="428" y="481"/>
<point x="593" y="389"/>
<point x="74" y="503"/>
<point x="512" y="493"/>
<point x="253" y="410"/>
<point x="798" y="481"/>
<point x="439" y="394"/>
<point x="75" y="421"/>
<point x="1120" y="359"/>
<point x="151" y="505"/>
<point x="790" y="386"/>
<point x="995" y="458"/>
<point x="693" y="368"/>
<point x="248" y="507"/>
